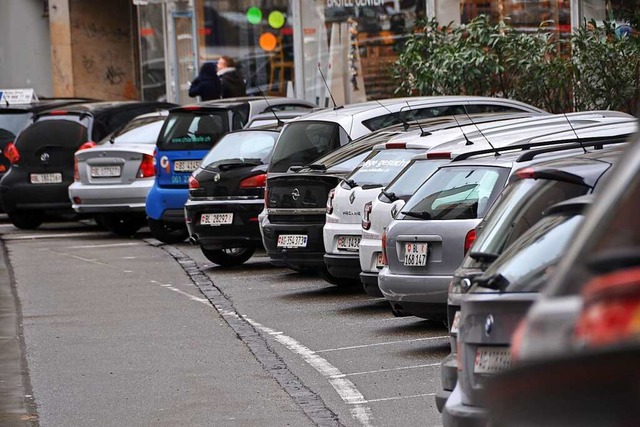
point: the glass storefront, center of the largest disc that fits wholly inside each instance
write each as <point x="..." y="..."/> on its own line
<point x="151" y="30"/>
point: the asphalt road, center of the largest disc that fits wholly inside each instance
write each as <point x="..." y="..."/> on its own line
<point x="131" y="332"/>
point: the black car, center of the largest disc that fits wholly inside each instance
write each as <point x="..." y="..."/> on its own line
<point x="42" y="157"/>
<point x="226" y="194"/>
<point x="519" y="207"/>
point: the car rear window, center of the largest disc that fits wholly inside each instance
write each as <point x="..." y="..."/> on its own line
<point x="534" y="255"/>
<point x="138" y="131"/>
<point x="65" y="132"/>
<point x="462" y="192"/>
<point x="242" y="146"/>
<point x="381" y="166"/>
<point x="411" y="177"/>
<point x="188" y="131"/>
<point x="11" y="124"/>
<point x="301" y="143"/>
<point x="518" y="207"/>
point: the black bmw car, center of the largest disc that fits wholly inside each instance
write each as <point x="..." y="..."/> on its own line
<point x="226" y="194"/>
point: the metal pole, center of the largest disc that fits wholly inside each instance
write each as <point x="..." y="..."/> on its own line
<point x="298" y="51"/>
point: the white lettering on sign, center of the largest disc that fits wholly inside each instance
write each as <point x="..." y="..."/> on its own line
<point x="17" y="96"/>
<point x="352" y="3"/>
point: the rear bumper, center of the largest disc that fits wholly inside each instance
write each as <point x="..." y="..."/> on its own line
<point x="370" y="284"/>
<point x="457" y="414"/>
<point x="448" y="379"/>
<point x="422" y="296"/>
<point x="161" y="199"/>
<point x="311" y="256"/>
<point x="110" y="198"/>
<point x="343" y="266"/>
<point x="18" y="193"/>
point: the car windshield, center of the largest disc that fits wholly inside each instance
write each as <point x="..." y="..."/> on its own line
<point x="518" y="207"/>
<point x="461" y="192"/>
<point x="381" y="166"/>
<point x="189" y="131"/>
<point x="411" y="177"/>
<point x="301" y="143"/>
<point x="138" y="131"/>
<point x="11" y="124"/>
<point x="251" y="146"/>
<point x="534" y="255"/>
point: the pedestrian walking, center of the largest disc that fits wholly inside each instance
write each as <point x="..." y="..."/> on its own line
<point x="207" y="84"/>
<point x="231" y="80"/>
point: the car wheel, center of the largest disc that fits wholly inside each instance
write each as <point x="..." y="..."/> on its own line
<point x="122" y="224"/>
<point x="338" y="281"/>
<point x="26" y="219"/>
<point x="229" y="257"/>
<point x="168" y="232"/>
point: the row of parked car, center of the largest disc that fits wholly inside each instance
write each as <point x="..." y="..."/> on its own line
<point x="456" y="209"/>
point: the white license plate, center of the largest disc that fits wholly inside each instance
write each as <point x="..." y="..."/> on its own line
<point x="45" y="178"/>
<point x="216" y="219"/>
<point x="349" y="243"/>
<point x="292" y="241"/>
<point x="415" y="254"/>
<point x="105" y="171"/>
<point x="490" y="360"/>
<point x="185" y="165"/>
<point x="379" y="260"/>
<point x="456" y="322"/>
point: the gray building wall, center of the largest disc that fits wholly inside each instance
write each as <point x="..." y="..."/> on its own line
<point x="25" y="51"/>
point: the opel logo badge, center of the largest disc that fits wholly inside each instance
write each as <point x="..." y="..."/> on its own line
<point x="44" y="157"/>
<point x="295" y="194"/>
<point x="488" y="324"/>
<point x="216" y="177"/>
<point x="352" y="197"/>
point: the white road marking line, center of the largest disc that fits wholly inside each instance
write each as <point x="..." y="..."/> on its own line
<point x="92" y="261"/>
<point x="385" y="399"/>
<point x="176" y="290"/>
<point x="52" y="236"/>
<point x="345" y="388"/>
<point x="110" y="245"/>
<point x="382" y="343"/>
<point x="428" y="365"/>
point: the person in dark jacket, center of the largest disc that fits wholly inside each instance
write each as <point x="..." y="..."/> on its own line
<point x="207" y="84"/>
<point x="233" y="84"/>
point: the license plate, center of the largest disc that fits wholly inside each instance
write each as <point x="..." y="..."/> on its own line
<point x="105" y="171"/>
<point x="455" y="323"/>
<point x="415" y="254"/>
<point x="185" y="165"/>
<point x="216" y="219"/>
<point x="292" y="241"/>
<point x="45" y="178"/>
<point x="349" y="243"/>
<point x="379" y="260"/>
<point x="490" y="360"/>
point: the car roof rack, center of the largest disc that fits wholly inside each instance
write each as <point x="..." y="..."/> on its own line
<point x="596" y="143"/>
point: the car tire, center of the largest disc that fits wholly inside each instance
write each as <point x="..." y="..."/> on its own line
<point x="168" y="232"/>
<point x="337" y="281"/>
<point x="229" y="257"/>
<point x="125" y="225"/>
<point x="26" y="219"/>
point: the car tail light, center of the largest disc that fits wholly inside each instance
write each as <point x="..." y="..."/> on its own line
<point x="76" y="169"/>
<point x="191" y="107"/>
<point x="77" y="200"/>
<point x="3" y="168"/>
<point x="525" y="173"/>
<point x="256" y="181"/>
<point x="88" y="144"/>
<point x="58" y="112"/>
<point x="390" y="145"/>
<point x="439" y="155"/>
<point x="459" y="356"/>
<point x="332" y="194"/>
<point x="11" y="152"/>
<point x="385" y="260"/>
<point x="517" y="338"/>
<point x="266" y="194"/>
<point x="469" y="239"/>
<point x="147" y="169"/>
<point x="156" y="168"/>
<point x="611" y="308"/>
<point x="193" y="183"/>
<point x="366" y="220"/>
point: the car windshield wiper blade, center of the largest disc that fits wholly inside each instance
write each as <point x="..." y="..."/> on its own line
<point x="236" y="163"/>
<point x="421" y="215"/>
<point x="483" y="256"/>
<point x="351" y="183"/>
<point x="390" y="195"/>
<point x="369" y="186"/>
<point x="317" y="167"/>
<point x="496" y="281"/>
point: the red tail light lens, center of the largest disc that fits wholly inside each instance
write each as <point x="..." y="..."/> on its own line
<point x="11" y="152"/>
<point x="88" y="144"/>
<point x="76" y="169"/>
<point x="469" y="239"/>
<point x="193" y="183"/>
<point x="525" y="173"/>
<point x="366" y="221"/>
<point x="438" y="155"/>
<point x="332" y="194"/>
<point x="397" y="145"/>
<point x="147" y="168"/>
<point x="611" y="308"/>
<point x="256" y="181"/>
<point x="385" y="260"/>
<point x="517" y="338"/>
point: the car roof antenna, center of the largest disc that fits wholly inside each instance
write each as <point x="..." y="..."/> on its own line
<point x="466" y="138"/>
<point x="335" y="106"/>
<point x="279" y="122"/>
<point x="574" y="131"/>
<point x="464" y="107"/>
<point x="406" y="125"/>
<point x="396" y="114"/>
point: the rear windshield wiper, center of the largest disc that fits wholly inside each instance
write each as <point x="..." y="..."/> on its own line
<point x="483" y="256"/>
<point x="316" y="167"/>
<point x="390" y="195"/>
<point x="421" y="215"/>
<point x="236" y="163"/>
<point x="369" y="186"/>
<point x="351" y="183"/>
<point x="495" y="281"/>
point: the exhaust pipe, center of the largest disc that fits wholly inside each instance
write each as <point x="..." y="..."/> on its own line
<point x="193" y="239"/>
